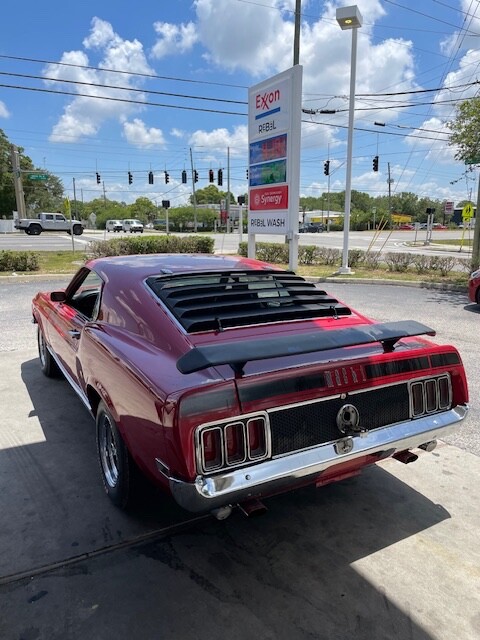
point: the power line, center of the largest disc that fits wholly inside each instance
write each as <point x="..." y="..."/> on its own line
<point x="120" y="71"/>
<point x="126" y="100"/>
<point x="112" y="86"/>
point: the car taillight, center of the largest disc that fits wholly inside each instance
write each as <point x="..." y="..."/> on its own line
<point x="212" y="449"/>
<point x="232" y="444"/>
<point x="235" y="442"/>
<point x="430" y="395"/>
<point x="257" y="441"/>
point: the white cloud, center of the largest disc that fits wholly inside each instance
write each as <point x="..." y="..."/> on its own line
<point x="173" y="39"/>
<point x="251" y="37"/>
<point x="139" y="135"/>
<point x="4" y="112"/>
<point x="218" y="140"/>
<point x="177" y="133"/>
<point x="467" y="37"/>
<point x="84" y="116"/>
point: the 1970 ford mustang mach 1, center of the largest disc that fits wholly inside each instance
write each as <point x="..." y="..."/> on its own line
<point x="225" y="380"/>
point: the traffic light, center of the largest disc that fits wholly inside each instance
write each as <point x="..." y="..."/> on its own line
<point x="150" y="177"/>
<point x="247" y="174"/>
<point x="210" y="175"/>
<point x="130" y="177"/>
<point x="326" y="167"/>
<point x="98" y="178"/>
<point x="220" y="178"/>
<point x="195" y="176"/>
<point x="184" y="177"/>
<point x="167" y="177"/>
<point x="375" y="163"/>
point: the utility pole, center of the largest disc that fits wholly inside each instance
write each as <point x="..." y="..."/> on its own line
<point x="194" y="196"/>
<point x="229" y="222"/>
<point x="17" y="182"/>
<point x="390" y="181"/>
<point x="296" y="37"/>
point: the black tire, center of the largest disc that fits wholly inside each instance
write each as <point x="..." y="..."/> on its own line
<point x="116" y="465"/>
<point x="27" y="231"/>
<point x="477" y="296"/>
<point x="35" y="229"/>
<point x="47" y="364"/>
<point x="77" y="230"/>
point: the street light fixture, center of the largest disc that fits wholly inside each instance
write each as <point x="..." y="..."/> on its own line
<point x="349" y="18"/>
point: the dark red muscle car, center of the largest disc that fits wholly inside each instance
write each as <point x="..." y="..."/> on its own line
<point x="224" y="379"/>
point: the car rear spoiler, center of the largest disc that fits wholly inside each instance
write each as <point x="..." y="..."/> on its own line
<point x="238" y="353"/>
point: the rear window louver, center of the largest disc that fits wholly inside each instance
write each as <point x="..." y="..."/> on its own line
<point x="220" y="300"/>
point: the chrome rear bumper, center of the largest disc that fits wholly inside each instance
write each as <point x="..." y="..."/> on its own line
<point x="271" y="476"/>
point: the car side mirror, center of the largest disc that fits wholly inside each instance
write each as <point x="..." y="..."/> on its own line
<point x="58" y="296"/>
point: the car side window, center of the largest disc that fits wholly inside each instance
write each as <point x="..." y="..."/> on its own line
<point x="86" y="298"/>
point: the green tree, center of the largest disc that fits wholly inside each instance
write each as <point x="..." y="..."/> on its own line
<point x="465" y="130"/>
<point x="39" y="195"/>
<point x="183" y="218"/>
<point x="143" y="209"/>
<point x="465" y="137"/>
<point x="210" y="195"/>
<point x="105" y="209"/>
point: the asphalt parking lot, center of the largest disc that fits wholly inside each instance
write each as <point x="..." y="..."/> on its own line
<point x="391" y="554"/>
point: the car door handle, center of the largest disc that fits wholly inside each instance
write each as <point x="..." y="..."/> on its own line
<point x="74" y="333"/>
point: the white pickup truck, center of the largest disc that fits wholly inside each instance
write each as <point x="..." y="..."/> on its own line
<point x="49" y="222"/>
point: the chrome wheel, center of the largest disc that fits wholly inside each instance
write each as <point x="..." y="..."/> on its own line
<point x="117" y="468"/>
<point x="42" y="349"/>
<point x="108" y="452"/>
<point x="47" y="363"/>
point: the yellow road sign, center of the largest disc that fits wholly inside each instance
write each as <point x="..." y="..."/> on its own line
<point x="467" y="211"/>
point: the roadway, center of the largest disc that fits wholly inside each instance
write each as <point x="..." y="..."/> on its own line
<point x="395" y="241"/>
<point x="391" y="554"/>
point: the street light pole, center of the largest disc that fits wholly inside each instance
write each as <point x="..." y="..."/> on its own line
<point x="349" y="18"/>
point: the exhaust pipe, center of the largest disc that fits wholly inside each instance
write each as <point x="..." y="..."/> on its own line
<point x="428" y="446"/>
<point x="222" y="513"/>
<point x="405" y="456"/>
<point x="252" y="508"/>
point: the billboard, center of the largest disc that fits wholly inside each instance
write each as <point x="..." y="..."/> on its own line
<point x="274" y="110"/>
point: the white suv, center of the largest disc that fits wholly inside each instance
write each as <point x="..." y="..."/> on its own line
<point x="133" y="226"/>
<point x="114" y="225"/>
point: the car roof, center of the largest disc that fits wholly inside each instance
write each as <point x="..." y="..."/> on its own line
<point x="205" y="292"/>
<point x="140" y="267"/>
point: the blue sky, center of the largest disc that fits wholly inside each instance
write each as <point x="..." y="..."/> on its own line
<point x="180" y="70"/>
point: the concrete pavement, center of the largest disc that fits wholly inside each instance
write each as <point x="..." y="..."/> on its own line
<point x="391" y="554"/>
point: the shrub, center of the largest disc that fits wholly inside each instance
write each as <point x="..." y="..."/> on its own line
<point x="19" y="261"/>
<point x="398" y="261"/>
<point x="465" y="264"/>
<point x="356" y="257"/>
<point x="372" y="259"/>
<point x="307" y="254"/>
<point x="445" y="264"/>
<point x="331" y="256"/>
<point x="151" y="244"/>
<point x="421" y="263"/>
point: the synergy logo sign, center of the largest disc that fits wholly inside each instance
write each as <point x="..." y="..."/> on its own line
<point x="269" y="198"/>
